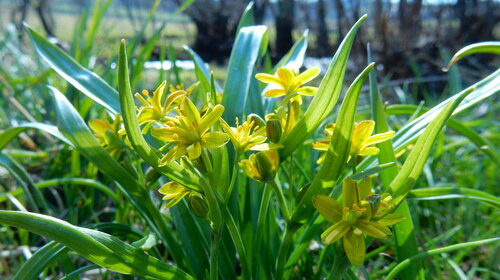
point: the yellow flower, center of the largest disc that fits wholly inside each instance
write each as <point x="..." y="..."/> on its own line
<point x="262" y="166"/>
<point x="287" y="82"/>
<point x="174" y="192"/>
<point x="361" y="142"/>
<point x="152" y="109"/>
<point x="248" y="136"/>
<point x="362" y="212"/>
<point x="189" y="132"/>
<point x="108" y="135"/>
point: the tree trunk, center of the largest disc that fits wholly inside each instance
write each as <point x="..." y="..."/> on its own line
<point x="323" y="42"/>
<point x="284" y="26"/>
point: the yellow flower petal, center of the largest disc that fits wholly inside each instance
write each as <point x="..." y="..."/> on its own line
<point x="335" y="232"/>
<point x="373" y="229"/>
<point x="190" y="111"/>
<point x="210" y="118"/>
<point x="361" y="133"/>
<point x="265" y="147"/>
<point x="277" y="92"/>
<point x="309" y="91"/>
<point x="391" y="219"/>
<point x="214" y="139"/>
<point x="157" y="95"/>
<point x="269" y="79"/>
<point x="286" y="76"/>
<point x="354" y="246"/>
<point x="100" y="127"/>
<point x="194" y="150"/>
<point x="163" y="133"/>
<point x="349" y="192"/>
<point x="321" y="145"/>
<point x="307" y="75"/>
<point x="328" y="208"/>
<point x="381" y="137"/>
<point x="369" y="151"/>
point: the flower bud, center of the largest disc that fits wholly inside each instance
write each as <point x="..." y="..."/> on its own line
<point x="273" y="130"/>
<point x="198" y="206"/>
<point x="257" y="120"/>
<point x="267" y="164"/>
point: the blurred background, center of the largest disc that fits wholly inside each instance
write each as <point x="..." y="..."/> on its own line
<point x="411" y="40"/>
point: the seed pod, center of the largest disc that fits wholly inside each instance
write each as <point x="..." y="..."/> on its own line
<point x="198" y="206"/>
<point x="273" y="130"/>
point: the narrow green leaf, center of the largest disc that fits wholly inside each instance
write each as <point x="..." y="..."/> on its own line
<point x="454" y="192"/>
<point x="395" y="271"/>
<point x="9" y="134"/>
<point x="415" y="162"/>
<point x="43" y="257"/>
<point x="404" y="232"/>
<point x="81" y="78"/>
<point x="33" y="195"/>
<point x="326" y="98"/>
<point x="98" y="247"/>
<point x="202" y="72"/>
<point x="481" y="143"/>
<point x="492" y="47"/>
<point x="247" y="18"/>
<point x="186" y="4"/>
<point x="338" y="151"/>
<point x="61" y="181"/>
<point x="294" y="58"/>
<point x="247" y="47"/>
<point x="370" y="171"/>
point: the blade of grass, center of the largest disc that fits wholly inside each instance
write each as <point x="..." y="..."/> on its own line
<point x="98" y="247"/>
<point x="454" y="192"/>
<point x="437" y="251"/>
<point x="250" y="43"/>
<point x="482" y="47"/>
<point x="81" y="78"/>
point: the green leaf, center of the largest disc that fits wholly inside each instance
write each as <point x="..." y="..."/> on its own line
<point x="294" y="58"/>
<point x="395" y="271"/>
<point x="247" y="18"/>
<point x="415" y="162"/>
<point x="9" y="134"/>
<point x="98" y="247"/>
<point x="481" y="143"/>
<point x="33" y="195"/>
<point x="338" y="151"/>
<point x="72" y="181"/>
<point x="81" y="78"/>
<point x="39" y="261"/>
<point x="370" y="171"/>
<point x="186" y="4"/>
<point x="202" y="72"/>
<point x="250" y="42"/>
<point x="454" y="192"/>
<point x="482" y="47"/>
<point x="404" y="232"/>
<point x="325" y="99"/>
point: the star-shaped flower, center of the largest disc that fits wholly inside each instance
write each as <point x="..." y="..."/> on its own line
<point x="361" y="212"/>
<point x="287" y="82"/>
<point x="189" y="132"/>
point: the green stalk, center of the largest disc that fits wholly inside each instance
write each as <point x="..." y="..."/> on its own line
<point x="264" y="204"/>
<point x="285" y="248"/>
<point x="234" y="175"/>
<point x="214" y="257"/>
<point x="238" y="243"/>
<point x="281" y="200"/>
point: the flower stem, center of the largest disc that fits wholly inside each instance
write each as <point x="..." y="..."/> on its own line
<point x="264" y="204"/>
<point x="281" y="200"/>
<point x="234" y="175"/>
<point x="284" y="249"/>
<point x="214" y="249"/>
